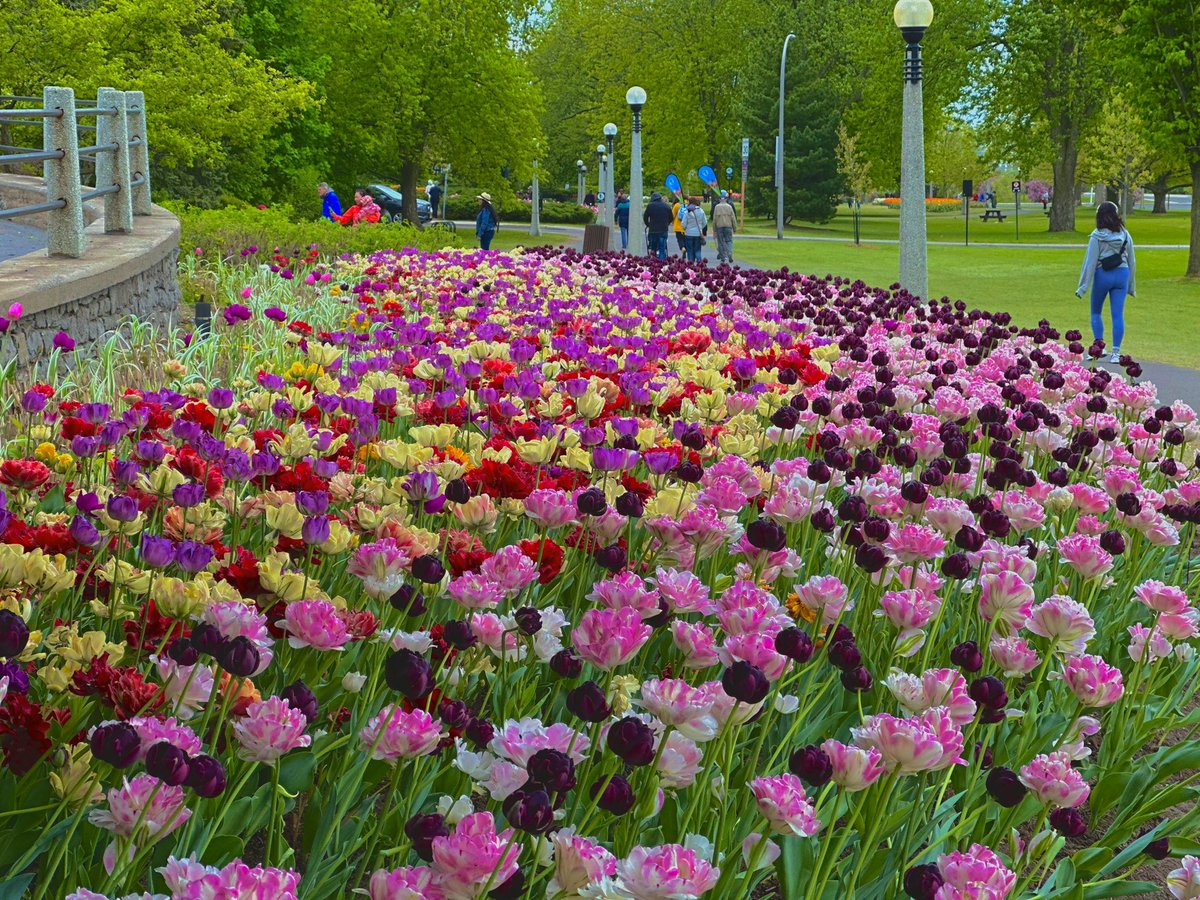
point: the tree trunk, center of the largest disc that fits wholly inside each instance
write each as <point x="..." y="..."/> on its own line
<point x="1062" y="213"/>
<point x="408" y="187"/>
<point x="1099" y="194"/>
<point x="1193" y="266"/>
<point x="1160" y="186"/>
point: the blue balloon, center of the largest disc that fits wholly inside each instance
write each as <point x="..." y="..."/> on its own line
<point x="707" y="175"/>
<point x="673" y="184"/>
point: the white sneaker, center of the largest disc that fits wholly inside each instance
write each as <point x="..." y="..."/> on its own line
<point x="1115" y="358"/>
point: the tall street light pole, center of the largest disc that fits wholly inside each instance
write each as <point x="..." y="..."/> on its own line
<point x="614" y="236"/>
<point x="602" y="187"/>
<point x="579" y="167"/>
<point x="535" y="216"/>
<point x="636" y="98"/>
<point x="779" y="143"/>
<point x="913" y="17"/>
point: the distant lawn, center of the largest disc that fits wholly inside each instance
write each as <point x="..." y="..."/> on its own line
<point x="509" y="237"/>
<point x="881" y="223"/>
<point x="1160" y="322"/>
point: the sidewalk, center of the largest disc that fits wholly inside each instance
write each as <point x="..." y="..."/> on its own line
<point x="17" y="239"/>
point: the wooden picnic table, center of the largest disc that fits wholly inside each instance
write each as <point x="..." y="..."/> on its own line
<point x="993" y="214"/>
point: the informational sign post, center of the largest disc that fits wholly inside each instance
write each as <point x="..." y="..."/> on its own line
<point x="1016" y="186"/>
<point x="745" y="170"/>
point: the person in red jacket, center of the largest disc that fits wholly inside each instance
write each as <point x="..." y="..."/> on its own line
<point x="365" y="209"/>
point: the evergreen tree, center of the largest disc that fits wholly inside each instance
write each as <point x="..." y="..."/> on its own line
<point x="812" y="113"/>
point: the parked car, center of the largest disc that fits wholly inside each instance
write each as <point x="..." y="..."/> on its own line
<point x="391" y="202"/>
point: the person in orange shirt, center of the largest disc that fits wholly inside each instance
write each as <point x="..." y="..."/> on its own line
<point x="365" y="209"/>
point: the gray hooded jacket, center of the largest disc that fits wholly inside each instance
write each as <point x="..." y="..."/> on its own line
<point x="1102" y="243"/>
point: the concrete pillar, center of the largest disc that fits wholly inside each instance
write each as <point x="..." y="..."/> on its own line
<point x="914" y="276"/>
<point x="535" y="216"/>
<point x="139" y="153"/>
<point x="113" y="167"/>
<point x="64" y="227"/>
<point x="637" y="229"/>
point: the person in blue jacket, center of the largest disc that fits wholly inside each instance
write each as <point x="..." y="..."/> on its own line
<point x="486" y="222"/>
<point x="622" y="211"/>
<point x="331" y="206"/>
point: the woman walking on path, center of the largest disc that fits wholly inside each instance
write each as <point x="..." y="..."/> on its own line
<point x="695" y="226"/>
<point x="486" y="222"/>
<point x="1109" y="269"/>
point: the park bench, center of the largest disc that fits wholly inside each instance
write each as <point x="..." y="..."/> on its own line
<point x="993" y="214"/>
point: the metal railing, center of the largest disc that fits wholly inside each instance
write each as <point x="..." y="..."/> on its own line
<point x="119" y="157"/>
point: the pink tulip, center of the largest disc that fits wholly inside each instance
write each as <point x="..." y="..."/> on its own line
<point x="314" y="623"/>
<point x="143" y="806"/>
<point x="1084" y="554"/>
<point x="188" y="878"/>
<point x="976" y="873"/>
<point x="827" y="595"/>
<point x="550" y="509"/>
<point x="1184" y="882"/>
<point x="1093" y="681"/>
<point x="854" y="768"/>
<point x="608" y="638"/>
<point x="381" y="565"/>
<point x="674" y="702"/>
<point x="270" y="729"/>
<point x="909" y="745"/>
<point x="696" y="642"/>
<point x="396" y="734"/>
<point x="246" y="292"/>
<point x="519" y="741"/>
<point x="474" y="855"/>
<point x="683" y="591"/>
<point x="626" y="591"/>
<point x="474" y="590"/>
<point x="1066" y="623"/>
<point x="784" y="803"/>
<point x="15" y="311"/>
<point x="1005" y="597"/>
<point x="679" y="762"/>
<point x="912" y="543"/>
<point x="510" y="569"/>
<point x="1163" y="598"/>
<point x="667" y="871"/>
<point x="1051" y="777"/>
<point x="407" y="883"/>
<point x="1014" y="656"/>
<point x="578" y="861"/>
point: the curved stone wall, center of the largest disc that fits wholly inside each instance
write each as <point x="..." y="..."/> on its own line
<point x="120" y="275"/>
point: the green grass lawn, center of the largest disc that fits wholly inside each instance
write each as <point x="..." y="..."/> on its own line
<point x="880" y="223"/>
<point x="1031" y="285"/>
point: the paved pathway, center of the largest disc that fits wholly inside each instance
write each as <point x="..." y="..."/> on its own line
<point x="1173" y="382"/>
<point x="17" y="239"/>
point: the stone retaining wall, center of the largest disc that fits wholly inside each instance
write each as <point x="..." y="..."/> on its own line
<point x="120" y="276"/>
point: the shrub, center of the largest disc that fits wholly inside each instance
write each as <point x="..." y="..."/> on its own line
<point x="226" y="232"/>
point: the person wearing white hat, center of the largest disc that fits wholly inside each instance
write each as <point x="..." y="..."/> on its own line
<point x="486" y="222"/>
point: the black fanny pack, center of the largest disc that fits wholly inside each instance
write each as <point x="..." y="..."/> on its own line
<point x="1113" y="260"/>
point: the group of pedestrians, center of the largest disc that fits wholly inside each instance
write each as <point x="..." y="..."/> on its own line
<point x="690" y="224"/>
<point x="364" y="210"/>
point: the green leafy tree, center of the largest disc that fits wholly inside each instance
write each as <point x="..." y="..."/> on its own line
<point x="211" y="104"/>
<point x="421" y="82"/>
<point x="1159" y="43"/>
<point x="951" y="154"/>
<point x="1043" y="83"/>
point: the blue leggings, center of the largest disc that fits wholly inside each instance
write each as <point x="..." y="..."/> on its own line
<point x="1113" y="284"/>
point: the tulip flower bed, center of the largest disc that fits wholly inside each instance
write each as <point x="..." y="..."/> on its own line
<point x="462" y="575"/>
